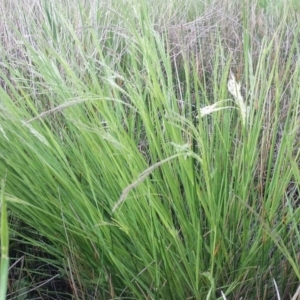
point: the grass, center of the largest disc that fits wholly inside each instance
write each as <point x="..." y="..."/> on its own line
<point x="135" y="168"/>
<point x="4" y="246"/>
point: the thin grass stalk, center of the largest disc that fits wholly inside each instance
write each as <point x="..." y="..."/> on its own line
<point x="4" y="264"/>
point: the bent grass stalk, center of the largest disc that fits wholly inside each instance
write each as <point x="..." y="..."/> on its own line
<point x="142" y="177"/>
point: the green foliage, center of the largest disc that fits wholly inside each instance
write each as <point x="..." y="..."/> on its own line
<point x="119" y="176"/>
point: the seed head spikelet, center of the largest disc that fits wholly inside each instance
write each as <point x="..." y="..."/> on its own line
<point x="234" y="89"/>
<point x="207" y="110"/>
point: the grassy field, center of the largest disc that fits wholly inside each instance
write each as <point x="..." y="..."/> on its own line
<point x="150" y="149"/>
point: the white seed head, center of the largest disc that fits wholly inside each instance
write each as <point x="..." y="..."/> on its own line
<point x="234" y="89"/>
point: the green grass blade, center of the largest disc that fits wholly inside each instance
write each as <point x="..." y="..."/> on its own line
<point x="4" y="245"/>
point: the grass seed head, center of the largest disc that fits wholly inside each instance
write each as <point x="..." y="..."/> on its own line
<point x="234" y="89"/>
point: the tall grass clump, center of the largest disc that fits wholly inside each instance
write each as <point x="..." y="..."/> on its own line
<point x="152" y="156"/>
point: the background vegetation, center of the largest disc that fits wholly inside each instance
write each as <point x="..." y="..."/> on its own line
<point x="129" y="171"/>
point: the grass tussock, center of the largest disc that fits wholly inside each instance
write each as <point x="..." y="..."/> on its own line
<point x="150" y="149"/>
